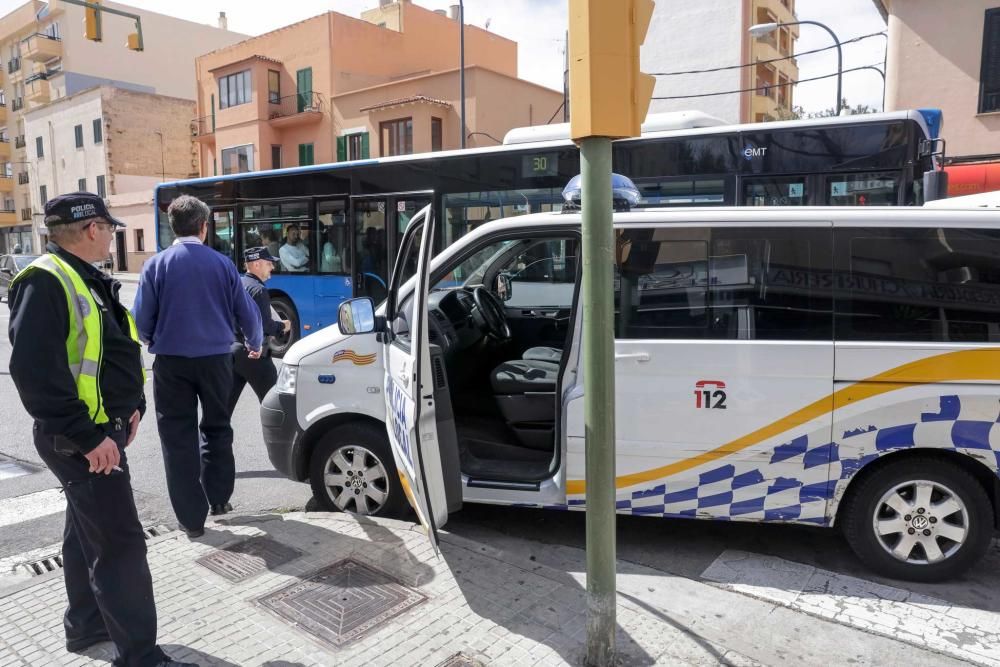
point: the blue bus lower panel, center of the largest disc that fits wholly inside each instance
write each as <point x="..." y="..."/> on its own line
<point x="315" y="298"/>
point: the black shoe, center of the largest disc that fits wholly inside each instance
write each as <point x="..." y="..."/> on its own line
<point x="193" y="533"/>
<point x="174" y="663"/>
<point x="83" y="643"/>
<point x="218" y="510"/>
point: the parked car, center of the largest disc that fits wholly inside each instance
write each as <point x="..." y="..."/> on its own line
<point x="9" y="267"/>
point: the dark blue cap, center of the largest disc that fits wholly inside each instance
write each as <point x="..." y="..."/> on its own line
<point x="260" y="252"/>
<point x="77" y="207"/>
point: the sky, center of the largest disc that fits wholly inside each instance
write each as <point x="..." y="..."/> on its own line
<point x="541" y="39"/>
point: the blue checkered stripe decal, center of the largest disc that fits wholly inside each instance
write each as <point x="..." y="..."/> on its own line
<point x="796" y="480"/>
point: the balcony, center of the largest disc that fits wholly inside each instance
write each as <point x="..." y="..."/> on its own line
<point x="22" y="178"/>
<point x="8" y="217"/>
<point x="295" y="110"/>
<point x="6" y="184"/>
<point x="36" y="89"/>
<point x="41" y="48"/>
<point x="203" y="129"/>
<point x="5" y="149"/>
<point x="14" y="65"/>
<point x="3" y="112"/>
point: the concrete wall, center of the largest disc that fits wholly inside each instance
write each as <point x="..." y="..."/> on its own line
<point x="686" y="35"/>
<point x="936" y="63"/>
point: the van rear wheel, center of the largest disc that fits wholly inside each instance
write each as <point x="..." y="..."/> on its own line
<point x="919" y="519"/>
<point x="352" y="470"/>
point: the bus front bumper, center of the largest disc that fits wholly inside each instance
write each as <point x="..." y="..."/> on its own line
<point x="282" y="435"/>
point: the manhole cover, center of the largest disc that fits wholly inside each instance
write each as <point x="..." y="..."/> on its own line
<point x="462" y="660"/>
<point x="342" y="602"/>
<point x="245" y="559"/>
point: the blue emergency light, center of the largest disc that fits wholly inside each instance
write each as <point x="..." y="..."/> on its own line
<point x="624" y="194"/>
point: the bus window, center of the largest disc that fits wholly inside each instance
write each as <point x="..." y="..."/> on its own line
<point x="372" y="266"/>
<point x="862" y="190"/>
<point x="465" y="211"/>
<point x="267" y="234"/>
<point x="333" y="239"/>
<point x="783" y="191"/>
<point x="223" y="232"/>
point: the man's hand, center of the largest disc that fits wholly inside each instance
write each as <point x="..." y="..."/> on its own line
<point x="253" y="354"/>
<point x="287" y="325"/>
<point x="104" y="457"/>
<point x="133" y="427"/>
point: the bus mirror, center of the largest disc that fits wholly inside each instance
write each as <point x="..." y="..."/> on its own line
<point x="356" y="316"/>
<point x="935" y="185"/>
<point x="505" y="289"/>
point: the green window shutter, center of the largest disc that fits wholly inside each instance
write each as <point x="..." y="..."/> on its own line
<point x="305" y="154"/>
<point x="341" y="149"/>
<point x="364" y="146"/>
<point x="312" y="157"/>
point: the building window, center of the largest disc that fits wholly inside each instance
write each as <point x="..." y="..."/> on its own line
<point x="237" y="160"/>
<point x="306" y="156"/>
<point x="989" y="74"/>
<point x="140" y="242"/>
<point x="43" y="194"/>
<point x="353" y="146"/>
<point x="81" y="185"/>
<point x="52" y="30"/>
<point x="39" y="148"/>
<point x="436" y="134"/>
<point x="102" y="190"/>
<point x="273" y="86"/>
<point x="234" y="89"/>
<point x="275" y="157"/>
<point x="98" y="131"/>
<point x="78" y="135"/>
<point x="396" y="137"/>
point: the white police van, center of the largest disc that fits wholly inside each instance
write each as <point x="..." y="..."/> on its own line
<point x="833" y="367"/>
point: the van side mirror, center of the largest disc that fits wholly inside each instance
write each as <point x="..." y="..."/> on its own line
<point x="505" y="288"/>
<point x="357" y="316"/>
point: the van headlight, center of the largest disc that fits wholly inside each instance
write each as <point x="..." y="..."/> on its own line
<point x="286" y="379"/>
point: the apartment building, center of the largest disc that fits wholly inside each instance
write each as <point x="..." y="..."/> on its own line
<point x="111" y="141"/>
<point x="44" y="57"/>
<point x="949" y="59"/>
<point x="335" y="87"/>
<point x="697" y="44"/>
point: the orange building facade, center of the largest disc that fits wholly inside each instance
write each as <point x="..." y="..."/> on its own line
<point x="333" y="88"/>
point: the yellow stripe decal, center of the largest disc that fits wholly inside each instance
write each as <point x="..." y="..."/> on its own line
<point x="981" y="365"/>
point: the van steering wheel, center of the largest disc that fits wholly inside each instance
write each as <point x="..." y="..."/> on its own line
<point x="491" y="310"/>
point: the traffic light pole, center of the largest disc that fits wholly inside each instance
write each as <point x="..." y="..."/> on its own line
<point x="599" y="396"/>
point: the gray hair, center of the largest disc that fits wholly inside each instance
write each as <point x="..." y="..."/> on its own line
<point x="186" y="215"/>
<point x="68" y="233"/>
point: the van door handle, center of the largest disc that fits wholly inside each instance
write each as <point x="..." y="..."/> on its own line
<point x="641" y="357"/>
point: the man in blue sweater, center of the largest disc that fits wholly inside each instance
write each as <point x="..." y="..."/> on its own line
<point x="189" y="296"/>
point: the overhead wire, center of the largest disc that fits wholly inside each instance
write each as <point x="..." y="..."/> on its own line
<point x="772" y="85"/>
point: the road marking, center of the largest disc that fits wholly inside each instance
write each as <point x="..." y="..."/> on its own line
<point x="32" y="506"/>
<point x="968" y="634"/>
<point x="10" y="469"/>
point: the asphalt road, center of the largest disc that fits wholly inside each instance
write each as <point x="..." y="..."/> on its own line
<point x="680" y="547"/>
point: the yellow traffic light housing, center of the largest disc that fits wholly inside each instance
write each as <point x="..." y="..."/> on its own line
<point x="609" y="96"/>
<point x="134" y="41"/>
<point x="92" y="22"/>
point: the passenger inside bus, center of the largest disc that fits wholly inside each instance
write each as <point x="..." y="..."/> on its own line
<point x="331" y="259"/>
<point x="294" y="254"/>
<point x="268" y="240"/>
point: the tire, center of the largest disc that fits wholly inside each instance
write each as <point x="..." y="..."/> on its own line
<point x="286" y="311"/>
<point x="360" y="446"/>
<point x="961" y="535"/>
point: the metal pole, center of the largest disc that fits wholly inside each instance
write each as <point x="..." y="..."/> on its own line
<point x="840" y="60"/>
<point x="566" y="80"/>
<point x="599" y="396"/>
<point x="461" y="65"/>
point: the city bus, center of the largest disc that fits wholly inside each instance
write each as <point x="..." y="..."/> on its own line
<point x="346" y="219"/>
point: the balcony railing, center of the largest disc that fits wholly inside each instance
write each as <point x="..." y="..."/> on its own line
<point x="13" y="65"/>
<point x="41" y="47"/>
<point x="22" y="178"/>
<point x="17" y="104"/>
<point x="19" y="141"/>
<point x="305" y="107"/>
<point x="203" y="128"/>
<point x="26" y="213"/>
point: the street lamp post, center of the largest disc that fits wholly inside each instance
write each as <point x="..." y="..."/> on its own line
<point x="762" y="29"/>
<point x="882" y="74"/>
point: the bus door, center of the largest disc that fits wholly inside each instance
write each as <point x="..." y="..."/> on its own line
<point x="378" y="226"/>
<point x="221" y="236"/>
<point x="332" y="249"/>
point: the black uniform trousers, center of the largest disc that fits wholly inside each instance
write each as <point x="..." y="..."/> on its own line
<point x="108" y="583"/>
<point x="198" y="458"/>
<point x="260" y="374"/>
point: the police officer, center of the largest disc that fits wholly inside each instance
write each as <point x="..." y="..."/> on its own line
<point x="259" y="373"/>
<point x="77" y="365"/>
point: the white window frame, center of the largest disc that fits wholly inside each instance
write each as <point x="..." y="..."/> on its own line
<point x="250" y="160"/>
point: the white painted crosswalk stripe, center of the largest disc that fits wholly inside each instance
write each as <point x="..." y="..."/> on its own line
<point x="32" y="506"/>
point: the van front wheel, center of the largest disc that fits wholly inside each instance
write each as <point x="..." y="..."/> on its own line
<point x="919" y="519"/>
<point x="352" y="470"/>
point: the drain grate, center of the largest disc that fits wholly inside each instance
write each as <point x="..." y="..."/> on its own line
<point x="41" y="566"/>
<point x="462" y="660"/>
<point x="248" y="558"/>
<point x="149" y="532"/>
<point x="343" y="602"/>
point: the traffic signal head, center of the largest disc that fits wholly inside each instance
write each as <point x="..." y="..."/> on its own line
<point x="609" y="96"/>
<point x="92" y="22"/>
<point x="134" y="41"/>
